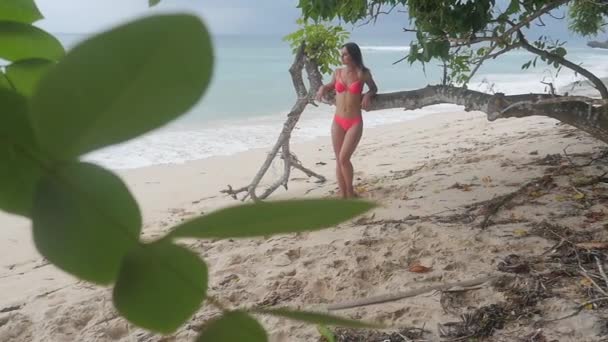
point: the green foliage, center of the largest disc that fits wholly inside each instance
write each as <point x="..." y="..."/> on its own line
<point x="233" y="326"/>
<point x="326" y="333"/>
<point x="322" y="43"/>
<point x="587" y="17"/>
<point x="23" y="41"/>
<point x="449" y="30"/>
<point x="23" y="11"/>
<point x="85" y="220"/>
<point x="350" y="11"/>
<point x="134" y="82"/>
<point x="459" y="66"/>
<point x="110" y="88"/>
<point x="453" y="18"/>
<point x="4" y="82"/>
<point x="152" y="3"/>
<point x="269" y="218"/>
<point x="19" y="171"/>
<point x="25" y="74"/>
<point x="160" y="286"/>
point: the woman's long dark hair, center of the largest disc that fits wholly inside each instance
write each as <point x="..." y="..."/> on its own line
<point x="355" y="52"/>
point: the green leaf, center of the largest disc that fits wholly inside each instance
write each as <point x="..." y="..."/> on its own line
<point x="23" y="11"/>
<point x="152" y="3"/>
<point x="22" y="41"/>
<point x="560" y="51"/>
<point x="316" y="318"/>
<point x="25" y="74"/>
<point x="325" y="332"/>
<point x="19" y="171"/>
<point x="268" y="218"/>
<point x="233" y="326"/>
<point x="85" y="220"/>
<point x="513" y="7"/>
<point x="160" y="286"/>
<point x="122" y="83"/>
<point x="4" y="82"/>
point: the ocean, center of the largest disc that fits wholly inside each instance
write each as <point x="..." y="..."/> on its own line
<point x="251" y="93"/>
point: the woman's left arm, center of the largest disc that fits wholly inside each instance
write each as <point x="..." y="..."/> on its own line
<point x="373" y="90"/>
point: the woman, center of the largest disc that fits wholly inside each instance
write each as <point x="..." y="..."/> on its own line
<point x="347" y="126"/>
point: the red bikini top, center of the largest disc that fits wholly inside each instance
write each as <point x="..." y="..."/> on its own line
<point x="353" y="88"/>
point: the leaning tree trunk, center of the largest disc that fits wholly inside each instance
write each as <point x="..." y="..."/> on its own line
<point x="587" y="114"/>
<point x="290" y="161"/>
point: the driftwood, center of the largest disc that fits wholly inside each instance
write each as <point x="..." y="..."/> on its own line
<point x="411" y="293"/>
<point x="585" y="113"/>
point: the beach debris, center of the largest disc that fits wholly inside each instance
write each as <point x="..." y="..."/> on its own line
<point x="513" y="264"/>
<point x="463" y="187"/>
<point x="411" y="293"/>
<point x="366" y="335"/>
<point x="491" y="207"/>
<point x="549" y="159"/>
<point x="11" y="308"/>
<point x="520" y="232"/>
<point x="480" y="323"/>
<point x="417" y="268"/>
<point x="595" y="216"/>
<point x="592" y="245"/>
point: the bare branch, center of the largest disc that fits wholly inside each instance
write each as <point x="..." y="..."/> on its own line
<point x="480" y="62"/>
<point x="289" y="160"/>
<point x="599" y="85"/>
<point x="374" y="16"/>
<point x="548" y="8"/>
<point x="544" y="10"/>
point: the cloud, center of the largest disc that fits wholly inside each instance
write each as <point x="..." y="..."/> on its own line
<point x="222" y="16"/>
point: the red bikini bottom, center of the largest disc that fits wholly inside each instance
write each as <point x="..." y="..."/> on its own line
<point x="347" y="123"/>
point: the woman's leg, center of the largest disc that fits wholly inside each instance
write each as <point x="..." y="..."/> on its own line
<point x="337" y="138"/>
<point x="350" y="142"/>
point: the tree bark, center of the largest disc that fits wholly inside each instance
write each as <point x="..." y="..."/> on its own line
<point x="587" y="114"/>
<point x="301" y="62"/>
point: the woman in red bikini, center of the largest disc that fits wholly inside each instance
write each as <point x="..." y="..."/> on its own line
<point x="347" y="126"/>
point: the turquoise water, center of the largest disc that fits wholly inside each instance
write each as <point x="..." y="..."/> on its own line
<point x="251" y="92"/>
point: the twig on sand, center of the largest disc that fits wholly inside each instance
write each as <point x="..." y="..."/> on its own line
<point x="603" y="154"/>
<point x="579" y="309"/>
<point x="601" y="269"/>
<point x="492" y="206"/>
<point x="599" y="288"/>
<point x="410" y="293"/>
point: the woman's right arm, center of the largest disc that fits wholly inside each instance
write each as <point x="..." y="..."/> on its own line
<point x="324" y="88"/>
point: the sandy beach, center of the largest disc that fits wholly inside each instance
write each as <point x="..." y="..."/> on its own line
<point x="432" y="179"/>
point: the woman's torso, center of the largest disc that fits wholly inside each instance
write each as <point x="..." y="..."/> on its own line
<point x="349" y="93"/>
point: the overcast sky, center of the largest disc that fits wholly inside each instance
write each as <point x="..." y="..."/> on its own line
<point x="222" y="16"/>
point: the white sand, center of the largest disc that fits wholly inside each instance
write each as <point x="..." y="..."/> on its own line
<point x="357" y="259"/>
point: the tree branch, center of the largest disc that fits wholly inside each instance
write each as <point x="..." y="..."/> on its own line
<point x="549" y="7"/>
<point x="301" y="61"/>
<point x="480" y="62"/>
<point x="474" y="40"/>
<point x="584" y="113"/>
<point x="599" y="85"/>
